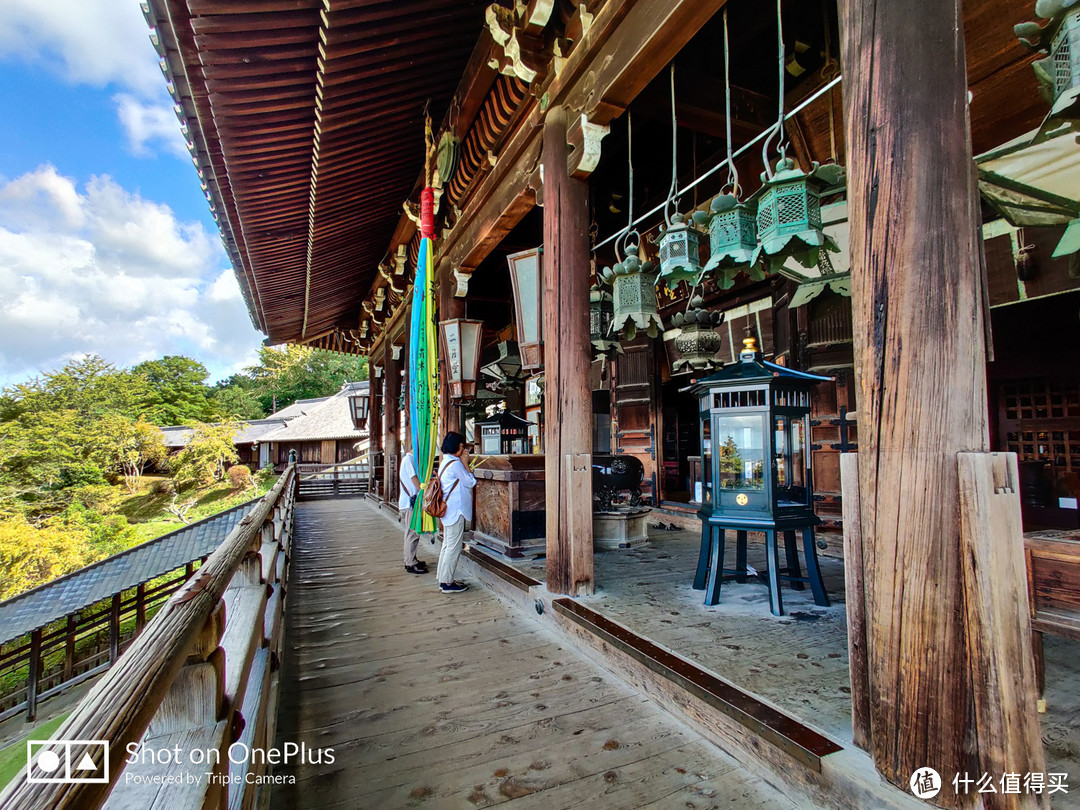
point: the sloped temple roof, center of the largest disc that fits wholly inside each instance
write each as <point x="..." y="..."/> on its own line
<point x="305" y="122"/>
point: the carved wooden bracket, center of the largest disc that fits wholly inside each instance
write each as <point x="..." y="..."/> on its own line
<point x="400" y="255"/>
<point x="462" y="280"/>
<point x="380" y="298"/>
<point x="584" y="137"/>
<point x="395" y="351"/>
<point x="519" y="33"/>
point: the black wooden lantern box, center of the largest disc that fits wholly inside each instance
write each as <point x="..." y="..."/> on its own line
<point x="503" y="434"/>
<point x="755" y="429"/>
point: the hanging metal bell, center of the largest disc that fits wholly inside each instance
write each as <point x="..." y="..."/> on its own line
<point x="679" y="259"/>
<point x="789" y="215"/>
<point x="633" y="284"/>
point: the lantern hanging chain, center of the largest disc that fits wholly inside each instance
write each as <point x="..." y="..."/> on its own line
<point x="746" y="147"/>
<point x="673" y="190"/>
<point x="622" y="238"/>
<point x="733" y="173"/>
<point x="778" y="127"/>
<point x="830" y="70"/>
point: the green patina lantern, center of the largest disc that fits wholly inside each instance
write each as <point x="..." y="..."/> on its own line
<point x="679" y="259"/>
<point x="1058" y="73"/>
<point x="697" y="341"/>
<point x="789" y="215"/>
<point x="601" y="314"/>
<point x="732" y="241"/>
<point x="633" y="284"/>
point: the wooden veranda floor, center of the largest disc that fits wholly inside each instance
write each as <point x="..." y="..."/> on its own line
<point x="456" y="701"/>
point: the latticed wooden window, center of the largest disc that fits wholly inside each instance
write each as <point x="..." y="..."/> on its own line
<point x="1040" y="421"/>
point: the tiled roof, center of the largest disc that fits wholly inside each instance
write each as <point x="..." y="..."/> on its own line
<point x="325" y="419"/>
<point x="79" y="589"/>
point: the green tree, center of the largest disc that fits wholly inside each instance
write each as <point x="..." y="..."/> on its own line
<point x="134" y="445"/>
<point x="88" y="385"/>
<point x="288" y="373"/>
<point x="43" y="455"/>
<point x="205" y="457"/>
<point x="237" y="398"/>
<point x="178" y="390"/>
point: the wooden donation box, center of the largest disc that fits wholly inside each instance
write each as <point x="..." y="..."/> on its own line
<point x="509" y="514"/>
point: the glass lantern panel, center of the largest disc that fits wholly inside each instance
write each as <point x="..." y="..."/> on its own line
<point x="798" y="453"/>
<point x="780" y="461"/>
<point x="706" y="458"/>
<point x="740" y="448"/>
<point x="525" y="270"/>
<point x="490" y="441"/>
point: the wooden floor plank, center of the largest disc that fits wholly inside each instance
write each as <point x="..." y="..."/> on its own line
<point x="459" y="701"/>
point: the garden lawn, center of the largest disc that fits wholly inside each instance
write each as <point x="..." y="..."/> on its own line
<point x="13" y="758"/>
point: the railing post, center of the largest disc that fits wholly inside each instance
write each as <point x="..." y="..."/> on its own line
<point x="69" y="647"/>
<point x="33" y="675"/>
<point x="140" y="608"/>
<point x="114" y="629"/>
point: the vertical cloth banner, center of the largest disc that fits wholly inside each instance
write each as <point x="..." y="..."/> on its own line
<point x="424" y="363"/>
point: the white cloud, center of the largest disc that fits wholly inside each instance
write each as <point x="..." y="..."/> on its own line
<point x="100" y="43"/>
<point x="100" y="269"/>
<point x="88" y="41"/>
<point x="150" y="123"/>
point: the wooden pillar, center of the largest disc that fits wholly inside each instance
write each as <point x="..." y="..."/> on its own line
<point x="69" y="647"/>
<point x="391" y="440"/>
<point x="114" y="629"/>
<point x="33" y="675"/>
<point x="375" y="423"/>
<point x="921" y="363"/>
<point x="450" y="306"/>
<point x="567" y="398"/>
<point x="140" y="608"/>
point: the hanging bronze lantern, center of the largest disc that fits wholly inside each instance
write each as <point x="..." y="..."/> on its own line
<point x="697" y="342"/>
<point x="789" y="215"/>
<point x="601" y="313"/>
<point x="732" y="241"/>
<point x="1058" y="73"/>
<point x="679" y="259"/>
<point x="634" y="295"/>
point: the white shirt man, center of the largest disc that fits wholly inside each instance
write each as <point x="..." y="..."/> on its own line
<point x="410" y="486"/>
<point x="457" y="484"/>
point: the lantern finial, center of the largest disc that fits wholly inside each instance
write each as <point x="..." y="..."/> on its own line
<point x="750" y="351"/>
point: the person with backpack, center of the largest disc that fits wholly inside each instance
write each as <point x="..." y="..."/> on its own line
<point x="456" y="482"/>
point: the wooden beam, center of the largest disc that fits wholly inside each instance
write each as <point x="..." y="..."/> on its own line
<point x="921" y="361"/>
<point x="1005" y="687"/>
<point x="567" y="397"/>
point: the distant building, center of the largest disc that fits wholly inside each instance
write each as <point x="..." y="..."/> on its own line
<point x="320" y="430"/>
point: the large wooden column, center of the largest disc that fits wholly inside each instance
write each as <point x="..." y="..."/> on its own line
<point x="567" y="398"/>
<point x="921" y="363"/>
<point x="392" y="439"/>
<point x="450" y="306"/>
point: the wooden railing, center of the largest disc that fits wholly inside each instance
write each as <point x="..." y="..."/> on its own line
<point x="56" y="657"/>
<point x="333" y="480"/>
<point x="198" y="680"/>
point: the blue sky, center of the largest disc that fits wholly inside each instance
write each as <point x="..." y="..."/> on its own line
<point x="107" y="245"/>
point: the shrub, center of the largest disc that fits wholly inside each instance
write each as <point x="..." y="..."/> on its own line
<point x="239" y="476"/>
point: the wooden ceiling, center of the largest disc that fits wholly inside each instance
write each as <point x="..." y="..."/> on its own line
<point x="306" y="122"/>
